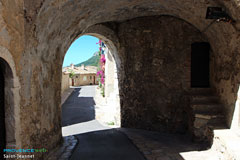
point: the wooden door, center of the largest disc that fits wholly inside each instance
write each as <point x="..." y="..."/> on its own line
<point x="72" y="82"/>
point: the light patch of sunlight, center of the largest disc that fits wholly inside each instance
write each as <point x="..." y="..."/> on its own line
<point x="236" y="114"/>
<point x="230" y="140"/>
<point x="197" y="155"/>
<point x="83" y="127"/>
<point x="75" y="87"/>
<point x="85" y="91"/>
<point x="106" y="113"/>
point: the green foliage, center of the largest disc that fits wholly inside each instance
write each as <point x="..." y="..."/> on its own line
<point x="102" y="91"/>
<point x="71" y="74"/>
<point x="110" y="123"/>
<point x="93" y="61"/>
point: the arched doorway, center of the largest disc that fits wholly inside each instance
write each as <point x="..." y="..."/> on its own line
<point x="7" y="117"/>
<point x="84" y="75"/>
<point x="2" y="114"/>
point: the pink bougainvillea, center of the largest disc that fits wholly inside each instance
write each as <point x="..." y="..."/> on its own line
<point x="99" y="42"/>
<point x="101" y="71"/>
<point x="102" y="80"/>
<point x="102" y="59"/>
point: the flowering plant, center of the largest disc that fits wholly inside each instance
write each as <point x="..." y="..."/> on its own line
<point x="102" y="59"/>
<point x="101" y="68"/>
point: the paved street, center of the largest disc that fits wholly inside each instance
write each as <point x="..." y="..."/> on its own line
<point x="166" y="146"/>
<point x="79" y="107"/>
<point x="96" y="142"/>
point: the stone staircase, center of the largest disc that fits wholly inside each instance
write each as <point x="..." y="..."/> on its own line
<point x="208" y="114"/>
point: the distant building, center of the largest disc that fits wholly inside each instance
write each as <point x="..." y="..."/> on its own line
<point x="84" y="75"/>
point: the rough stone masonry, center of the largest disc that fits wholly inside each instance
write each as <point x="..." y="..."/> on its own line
<point x="150" y="41"/>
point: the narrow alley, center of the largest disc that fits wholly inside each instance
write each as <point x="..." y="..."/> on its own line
<point x="95" y="141"/>
<point x="100" y="142"/>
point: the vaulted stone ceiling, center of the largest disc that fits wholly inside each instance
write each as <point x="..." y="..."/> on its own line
<point x="92" y="12"/>
<point x="60" y="22"/>
<point x="61" y="18"/>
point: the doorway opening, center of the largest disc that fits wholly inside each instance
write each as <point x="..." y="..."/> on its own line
<point x="2" y="114"/>
<point x="92" y="87"/>
<point x="7" y="106"/>
<point x="200" y="65"/>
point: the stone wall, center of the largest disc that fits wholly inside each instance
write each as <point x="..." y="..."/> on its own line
<point x="110" y="68"/>
<point x="84" y="79"/>
<point x="225" y="77"/>
<point x="108" y="107"/>
<point x="35" y="36"/>
<point x="155" y="75"/>
<point x="111" y="87"/>
<point x="65" y="82"/>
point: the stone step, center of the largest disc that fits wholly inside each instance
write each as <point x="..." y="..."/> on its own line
<point x="208" y="116"/>
<point x="208" y="113"/>
<point x="220" y="124"/>
<point x="199" y="123"/>
<point x="216" y="123"/>
<point x="207" y="120"/>
<point x="208" y="107"/>
<point x="201" y="91"/>
<point x="202" y="99"/>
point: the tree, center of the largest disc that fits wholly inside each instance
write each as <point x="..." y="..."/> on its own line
<point x="71" y="74"/>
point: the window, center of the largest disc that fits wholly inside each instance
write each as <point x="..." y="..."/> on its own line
<point x="90" y="77"/>
<point x="84" y="78"/>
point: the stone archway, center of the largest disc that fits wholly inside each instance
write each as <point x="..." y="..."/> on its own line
<point x="2" y="115"/>
<point x="107" y="36"/>
<point x="7" y="123"/>
<point x="53" y="25"/>
<point x="10" y="103"/>
<point x="134" y="42"/>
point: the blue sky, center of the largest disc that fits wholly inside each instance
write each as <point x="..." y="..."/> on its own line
<point x="81" y="49"/>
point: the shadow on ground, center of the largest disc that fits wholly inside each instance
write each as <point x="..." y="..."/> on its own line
<point x="95" y="141"/>
<point x="98" y="142"/>
<point x="166" y="146"/>
<point x="106" y="145"/>
<point x="77" y="109"/>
